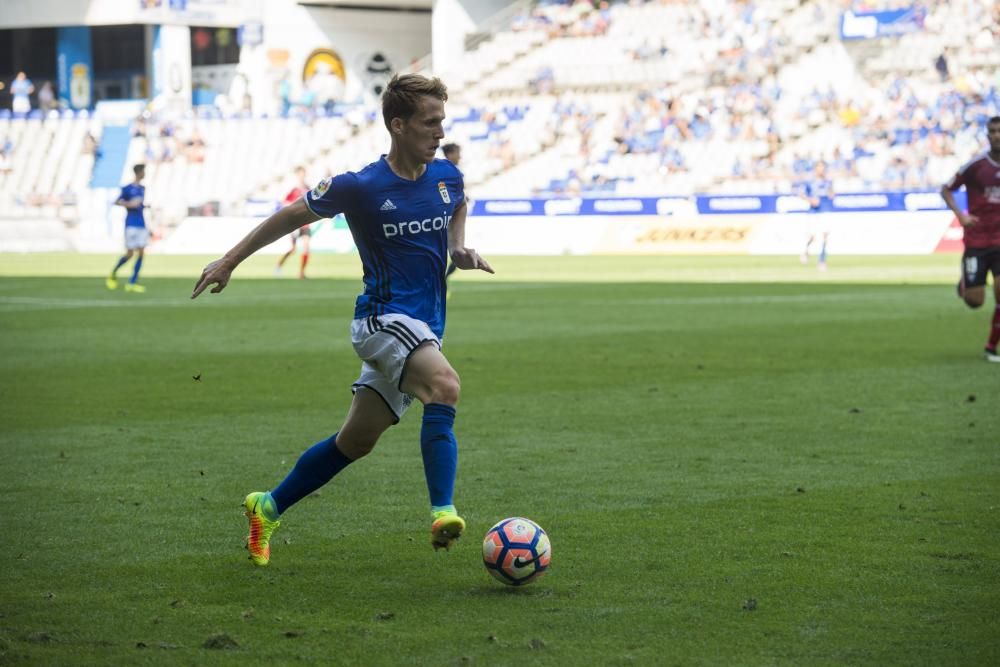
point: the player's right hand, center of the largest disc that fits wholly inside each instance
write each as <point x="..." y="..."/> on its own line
<point x="217" y="273"/>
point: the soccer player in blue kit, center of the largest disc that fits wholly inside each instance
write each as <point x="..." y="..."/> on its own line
<point x="818" y="192"/>
<point x="406" y="212"/>
<point x="136" y="234"/>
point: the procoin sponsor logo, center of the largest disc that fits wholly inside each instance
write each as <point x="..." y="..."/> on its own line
<point x="412" y="227"/>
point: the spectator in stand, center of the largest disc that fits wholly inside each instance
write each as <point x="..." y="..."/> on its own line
<point x="21" y="89"/>
<point x="168" y="142"/>
<point x="5" y="150"/>
<point x="285" y="94"/>
<point x="47" y="98"/>
<point x="941" y="65"/>
<point x="895" y="174"/>
<point x="543" y="82"/>
<point x="91" y="146"/>
<point x="194" y="147"/>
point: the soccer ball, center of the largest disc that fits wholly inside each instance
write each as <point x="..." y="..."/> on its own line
<point x="516" y="551"/>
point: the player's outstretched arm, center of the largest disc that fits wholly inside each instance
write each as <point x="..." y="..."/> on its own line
<point x="464" y="258"/>
<point x="283" y="222"/>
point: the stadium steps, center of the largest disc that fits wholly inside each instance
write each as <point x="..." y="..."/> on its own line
<point x="109" y="166"/>
<point x="480" y="74"/>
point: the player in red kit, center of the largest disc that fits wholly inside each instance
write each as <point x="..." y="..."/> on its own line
<point x="981" y="178"/>
<point x="303" y="233"/>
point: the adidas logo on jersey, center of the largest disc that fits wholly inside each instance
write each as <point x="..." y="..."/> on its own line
<point x="388" y="206"/>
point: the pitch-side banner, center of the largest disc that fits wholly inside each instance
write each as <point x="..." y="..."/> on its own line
<point x="890" y="233"/>
<point x="858" y="233"/>
<point x="708" y="204"/>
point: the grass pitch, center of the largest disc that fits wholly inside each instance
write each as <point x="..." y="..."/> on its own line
<point x="739" y="461"/>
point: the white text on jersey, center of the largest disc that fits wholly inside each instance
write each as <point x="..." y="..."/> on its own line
<point x="415" y="226"/>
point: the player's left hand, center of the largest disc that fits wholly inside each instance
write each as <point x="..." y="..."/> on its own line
<point x="217" y="273"/>
<point x="967" y="219"/>
<point x="467" y="258"/>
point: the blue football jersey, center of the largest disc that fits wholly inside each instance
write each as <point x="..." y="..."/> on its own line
<point x="401" y="230"/>
<point x="821" y="189"/>
<point x="134" y="217"/>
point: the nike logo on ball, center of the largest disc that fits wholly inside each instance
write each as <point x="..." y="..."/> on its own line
<point x="524" y="563"/>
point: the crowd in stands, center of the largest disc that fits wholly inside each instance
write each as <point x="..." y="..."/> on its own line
<point x="908" y="141"/>
<point x="163" y="143"/>
<point x="894" y="129"/>
<point x="6" y="147"/>
<point x="763" y="99"/>
<point x="576" y="18"/>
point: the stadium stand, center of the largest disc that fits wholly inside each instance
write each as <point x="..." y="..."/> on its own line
<point x="47" y="162"/>
<point x="773" y="90"/>
<point x="640" y="98"/>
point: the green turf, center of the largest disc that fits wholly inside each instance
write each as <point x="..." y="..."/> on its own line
<point x="739" y="461"/>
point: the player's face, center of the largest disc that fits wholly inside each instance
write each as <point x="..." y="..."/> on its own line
<point x="422" y="133"/>
<point x="993" y="134"/>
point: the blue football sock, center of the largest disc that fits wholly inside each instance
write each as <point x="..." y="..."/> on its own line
<point x="135" y="269"/>
<point x="120" y="264"/>
<point x="440" y="452"/>
<point x="822" y="253"/>
<point x="315" y="467"/>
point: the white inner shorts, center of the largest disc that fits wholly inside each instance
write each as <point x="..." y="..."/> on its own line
<point x="136" y="238"/>
<point x="384" y="343"/>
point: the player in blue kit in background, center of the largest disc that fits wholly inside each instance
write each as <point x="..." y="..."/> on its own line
<point x="452" y="153"/>
<point x="136" y="234"/>
<point x="819" y="193"/>
<point x="406" y="212"/>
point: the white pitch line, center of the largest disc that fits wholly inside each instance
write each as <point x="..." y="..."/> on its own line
<point x="17" y="303"/>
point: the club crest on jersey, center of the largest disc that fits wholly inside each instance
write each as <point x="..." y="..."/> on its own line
<point x="443" y="190"/>
<point x="321" y="188"/>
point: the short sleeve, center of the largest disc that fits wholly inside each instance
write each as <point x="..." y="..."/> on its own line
<point x="332" y="195"/>
<point x="959" y="179"/>
<point x="461" y="182"/>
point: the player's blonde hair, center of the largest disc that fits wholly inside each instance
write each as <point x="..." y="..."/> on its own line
<point x="402" y="95"/>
